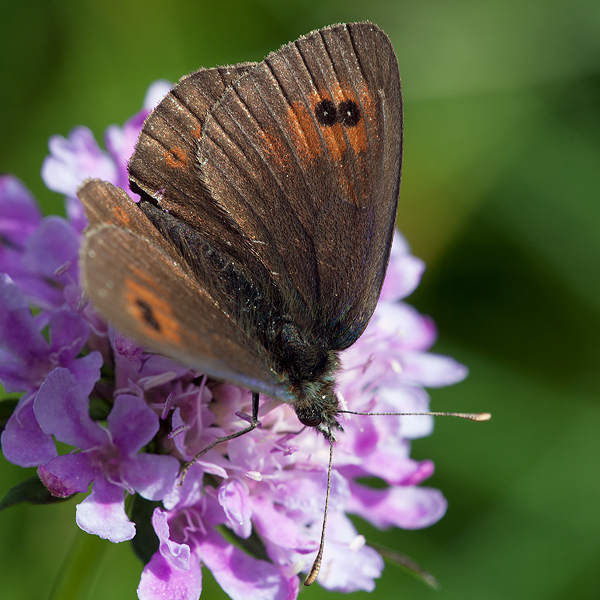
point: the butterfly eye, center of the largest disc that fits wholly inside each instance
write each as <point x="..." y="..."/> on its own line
<point x="310" y="421"/>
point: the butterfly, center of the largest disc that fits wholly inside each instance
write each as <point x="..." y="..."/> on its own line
<point x="268" y="198"/>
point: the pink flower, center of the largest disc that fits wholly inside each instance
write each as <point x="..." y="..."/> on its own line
<point x="251" y="509"/>
<point x="109" y="457"/>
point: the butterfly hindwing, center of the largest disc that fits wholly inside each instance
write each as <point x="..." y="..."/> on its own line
<point x="303" y="154"/>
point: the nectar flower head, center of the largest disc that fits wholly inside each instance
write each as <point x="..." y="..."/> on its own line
<point x="251" y="509"/>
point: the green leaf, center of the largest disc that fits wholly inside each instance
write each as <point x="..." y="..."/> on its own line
<point x="31" y="490"/>
<point x="408" y="564"/>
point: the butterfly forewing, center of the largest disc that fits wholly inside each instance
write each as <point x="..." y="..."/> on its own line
<point x="128" y="278"/>
<point x="106" y="204"/>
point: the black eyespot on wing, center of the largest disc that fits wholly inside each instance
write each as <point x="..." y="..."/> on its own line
<point x="147" y="314"/>
<point x="349" y="113"/>
<point x="326" y="113"/>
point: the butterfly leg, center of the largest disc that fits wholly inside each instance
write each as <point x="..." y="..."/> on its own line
<point x="253" y="425"/>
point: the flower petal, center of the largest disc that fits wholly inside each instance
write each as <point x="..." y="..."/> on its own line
<point x="86" y="371"/>
<point x="279" y="529"/>
<point x="62" y="409"/>
<point x="432" y="370"/>
<point x="188" y="493"/>
<point x="347" y="566"/>
<point x="25" y="350"/>
<point x="102" y="513"/>
<point x="23" y="441"/>
<point x="19" y="212"/>
<point x="152" y="476"/>
<point x="243" y="577"/>
<point x="402" y="278"/>
<point x="132" y="423"/>
<point x="67" y="474"/>
<point x="162" y="581"/>
<point x="53" y="246"/>
<point x="74" y="159"/>
<point x="233" y="497"/>
<point x="411" y="330"/>
<point x="178" y="555"/>
<point x="389" y="464"/>
<point x="398" y="506"/>
<point x="68" y="334"/>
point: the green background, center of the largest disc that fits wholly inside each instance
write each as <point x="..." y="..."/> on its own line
<point x="500" y="196"/>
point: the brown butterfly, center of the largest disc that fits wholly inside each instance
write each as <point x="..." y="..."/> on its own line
<point x="268" y="201"/>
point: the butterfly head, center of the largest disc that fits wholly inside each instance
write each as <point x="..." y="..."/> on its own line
<point x="318" y="407"/>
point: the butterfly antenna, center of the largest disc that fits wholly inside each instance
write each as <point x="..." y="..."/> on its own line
<point x="314" y="572"/>
<point x="253" y="425"/>
<point x="470" y="416"/>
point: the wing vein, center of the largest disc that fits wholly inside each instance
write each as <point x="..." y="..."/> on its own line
<point x="351" y="157"/>
<point x="235" y="187"/>
<point x="299" y="168"/>
<point x="316" y="87"/>
<point x="338" y="142"/>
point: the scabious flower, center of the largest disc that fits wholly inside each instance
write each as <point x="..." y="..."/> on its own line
<point x="251" y="509"/>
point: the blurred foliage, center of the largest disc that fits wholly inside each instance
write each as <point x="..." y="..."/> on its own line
<point x="501" y="197"/>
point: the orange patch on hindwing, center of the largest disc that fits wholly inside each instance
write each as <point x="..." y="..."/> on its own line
<point x="151" y="311"/>
<point x="176" y="157"/>
<point x="334" y="120"/>
<point x="119" y="216"/>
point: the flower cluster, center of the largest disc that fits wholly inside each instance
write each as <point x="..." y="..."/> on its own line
<point x="132" y="416"/>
